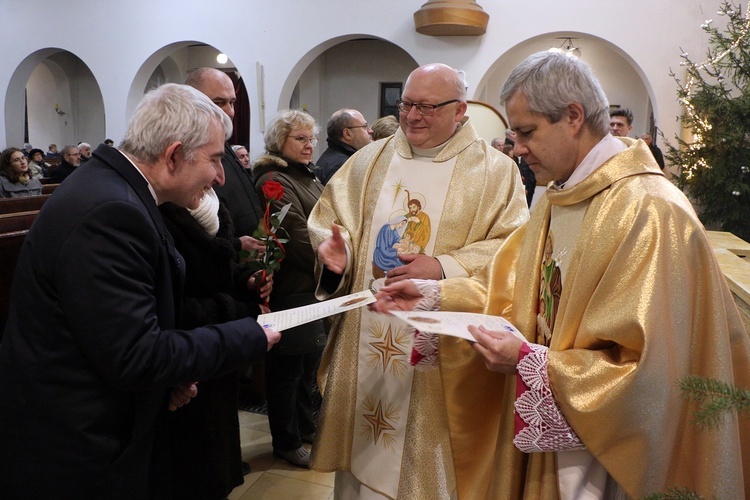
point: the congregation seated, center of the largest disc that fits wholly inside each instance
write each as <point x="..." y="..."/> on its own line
<point x="15" y="178"/>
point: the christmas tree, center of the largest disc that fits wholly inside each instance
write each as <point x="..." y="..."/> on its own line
<point x="715" y="163"/>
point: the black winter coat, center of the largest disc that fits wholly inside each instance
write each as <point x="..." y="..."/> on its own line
<point x="203" y="436"/>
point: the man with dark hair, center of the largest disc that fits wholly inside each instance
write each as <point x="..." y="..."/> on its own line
<point x="347" y="131"/>
<point x="620" y="122"/>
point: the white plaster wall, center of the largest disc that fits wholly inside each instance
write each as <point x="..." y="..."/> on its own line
<point x="286" y="35"/>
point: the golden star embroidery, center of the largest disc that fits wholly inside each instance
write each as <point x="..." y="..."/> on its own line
<point x="398" y="187"/>
<point x="378" y="423"/>
<point x="387" y="350"/>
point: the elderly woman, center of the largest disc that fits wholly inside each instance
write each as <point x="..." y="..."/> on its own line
<point x="242" y="155"/>
<point x="37" y="166"/>
<point x="15" y="177"/>
<point x="291" y="365"/>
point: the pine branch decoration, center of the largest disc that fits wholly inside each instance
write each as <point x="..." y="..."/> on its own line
<point x="715" y="399"/>
<point x="674" y="494"/>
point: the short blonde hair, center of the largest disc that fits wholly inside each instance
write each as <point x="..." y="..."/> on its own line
<point x="384" y="127"/>
<point x="282" y="126"/>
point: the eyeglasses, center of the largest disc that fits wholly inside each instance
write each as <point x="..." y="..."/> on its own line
<point x="424" y="109"/>
<point x="303" y="140"/>
<point x="365" y="126"/>
<point x="20" y="159"/>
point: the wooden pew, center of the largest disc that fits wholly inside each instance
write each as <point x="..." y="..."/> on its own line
<point x="22" y="204"/>
<point x="13" y="229"/>
<point x="17" y="221"/>
<point x="10" y="249"/>
<point x="49" y="188"/>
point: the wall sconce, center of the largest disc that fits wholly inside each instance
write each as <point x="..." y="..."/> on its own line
<point x="568" y="47"/>
<point x="58" y="110"/>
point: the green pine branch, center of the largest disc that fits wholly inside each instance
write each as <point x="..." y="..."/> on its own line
<point x="715" y="399"/>
<point x="674" y="494"/>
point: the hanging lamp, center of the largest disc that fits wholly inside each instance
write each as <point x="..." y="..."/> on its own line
<point x="451" y="18"/>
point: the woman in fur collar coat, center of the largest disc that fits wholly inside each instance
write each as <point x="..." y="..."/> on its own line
<point x="292" y="363"/>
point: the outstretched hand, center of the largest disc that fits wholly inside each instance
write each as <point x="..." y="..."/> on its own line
<point x="500" y="350"/>
<point x="272" y="336"/>
<point x="332" y="252"/>
<point x="416" y="266"/>
<point x="400" y="296"/>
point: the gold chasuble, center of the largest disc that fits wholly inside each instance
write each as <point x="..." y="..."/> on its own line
<point x="381" y="419"/>
<point x="643" y="304"/>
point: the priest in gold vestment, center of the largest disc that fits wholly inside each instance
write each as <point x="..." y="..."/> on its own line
<point x="383" y="425"/>
<point x="616" y="289"/>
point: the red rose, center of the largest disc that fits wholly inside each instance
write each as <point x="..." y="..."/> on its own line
<point x="272" y="190"/>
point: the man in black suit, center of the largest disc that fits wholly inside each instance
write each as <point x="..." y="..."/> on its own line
<point x="238" y="192"/>
<point x="86" y="371"/>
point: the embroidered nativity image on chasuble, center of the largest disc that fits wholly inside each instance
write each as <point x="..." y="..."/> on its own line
<point x="408" y="208"/>
<point x="550" y="289"/>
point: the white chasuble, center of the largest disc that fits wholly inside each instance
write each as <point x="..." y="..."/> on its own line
<point x="405" y="221"/>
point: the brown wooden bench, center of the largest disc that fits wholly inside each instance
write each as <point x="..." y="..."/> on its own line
<point x="10" y="249"/>
<point x="17" y="221"/>
<point x="49" y="187"/>
<point x="22" y="204"/>
<point x="13" y="229"/>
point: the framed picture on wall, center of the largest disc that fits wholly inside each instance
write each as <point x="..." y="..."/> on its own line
<point x="390" y="92"/>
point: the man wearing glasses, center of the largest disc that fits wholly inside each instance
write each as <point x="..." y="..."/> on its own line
<point x="71" y="160"/>
<point x="378" y="411"/>
<point x="348" y="131"/>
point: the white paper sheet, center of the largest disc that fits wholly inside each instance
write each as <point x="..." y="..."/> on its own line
<point x="283" y="320"/>
<point x="455" y="324"/>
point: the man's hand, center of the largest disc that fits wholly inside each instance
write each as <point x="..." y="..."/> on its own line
<point x="500" y="350"/>
<point x="400" y="296"/>
<point x="416" y="266"/>
<point x="182" y="394"/>
<point x="332" y="252"/>
<point x="249" y="243"/>
<point x="272" y="336"/>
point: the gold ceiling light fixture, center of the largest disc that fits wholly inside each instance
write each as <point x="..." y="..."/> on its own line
<point x="451" y="18"/>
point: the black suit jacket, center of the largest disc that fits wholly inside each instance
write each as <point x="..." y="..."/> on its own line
<point x="90" y="351"/>
<point x="239" y="196"/>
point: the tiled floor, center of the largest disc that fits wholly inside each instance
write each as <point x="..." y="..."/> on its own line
<point x="273" y="478"/>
